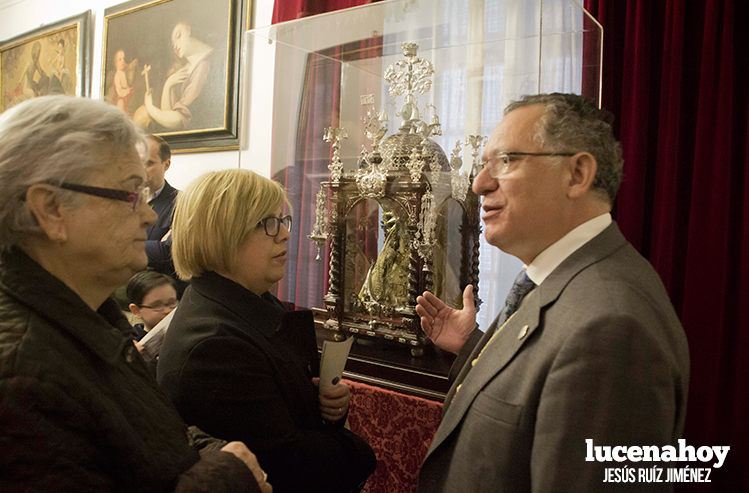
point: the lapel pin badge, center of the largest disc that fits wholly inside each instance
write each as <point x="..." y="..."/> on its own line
<point x="523" y="331"/>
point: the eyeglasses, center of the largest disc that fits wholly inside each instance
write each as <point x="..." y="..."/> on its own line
<point x="140" y="195"/>
<point x="161" y="306"/>
<point x="272" y="225"/>
<point x="500" y="163"/>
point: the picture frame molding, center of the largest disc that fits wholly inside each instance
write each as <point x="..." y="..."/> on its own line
<point x="207" y="139"/>
<point x="84" y="48"/>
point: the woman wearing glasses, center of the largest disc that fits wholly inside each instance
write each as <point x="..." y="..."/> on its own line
<point x="79" y="410"/>
<point x="235" y="362"/>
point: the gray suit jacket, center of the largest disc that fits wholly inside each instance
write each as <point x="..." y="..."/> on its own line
<point x="596" y="351"/>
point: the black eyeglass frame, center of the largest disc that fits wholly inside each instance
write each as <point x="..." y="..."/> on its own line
<point x="141" y="193"/>
<point x="277" y="221"/>
<point x="159" y="308"/>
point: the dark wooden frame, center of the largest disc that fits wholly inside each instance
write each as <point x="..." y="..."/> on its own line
<point x="83" y="50"/>
<point x="226" y="136"/>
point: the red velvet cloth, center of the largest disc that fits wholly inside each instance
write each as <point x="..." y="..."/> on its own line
<point x="674" y="74"/>
<point x="399" y="428"/>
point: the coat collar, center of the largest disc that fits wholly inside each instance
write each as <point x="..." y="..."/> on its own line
<point x="507" y="342"/>
<point x="597" y="249"/>
<point x="104" y="332"/>
<point x="288" y="334"/>
<point x="163" y="199"/>
<point x="166" y="191"/>
<point x="264" y="313"/>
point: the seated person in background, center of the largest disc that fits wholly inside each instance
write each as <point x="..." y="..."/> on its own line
<point x="234" y="362"/>
<point x="152" y="297"/>
<point x="79" y="410"/>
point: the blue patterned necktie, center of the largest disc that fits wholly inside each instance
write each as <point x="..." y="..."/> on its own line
<point x="522" y="286"/>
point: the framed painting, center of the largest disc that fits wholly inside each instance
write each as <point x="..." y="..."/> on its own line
<point x="53" y="59"/>
<point x="173" y="66"/>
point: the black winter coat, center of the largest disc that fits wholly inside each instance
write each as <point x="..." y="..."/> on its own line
<point x="239" y="366"/>
<point x="79" y="410"/>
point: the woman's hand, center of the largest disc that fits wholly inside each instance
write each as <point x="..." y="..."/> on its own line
<point x="334" y="402"/>
<point x="177" y="77"/>
<point x="241" y="452"/>
<point x="148" y="100"/>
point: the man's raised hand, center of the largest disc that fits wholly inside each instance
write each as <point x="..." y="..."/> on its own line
<point x="446" y="327"/>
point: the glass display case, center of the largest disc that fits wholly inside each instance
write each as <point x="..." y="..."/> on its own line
<point x="374" y="120"/>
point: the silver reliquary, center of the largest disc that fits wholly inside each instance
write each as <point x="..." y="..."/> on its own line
<point x="400" y="220"/>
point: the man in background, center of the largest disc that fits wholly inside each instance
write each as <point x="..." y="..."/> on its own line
<point x="158" y="241"/>
<point x="588" y="346"/>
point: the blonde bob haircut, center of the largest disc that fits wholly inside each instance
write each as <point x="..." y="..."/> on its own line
<point x="216" y="214"/>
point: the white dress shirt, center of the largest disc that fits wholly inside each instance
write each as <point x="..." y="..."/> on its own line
<point x="548" y="260"/>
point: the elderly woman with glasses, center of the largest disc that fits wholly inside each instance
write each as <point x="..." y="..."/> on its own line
<point x="234" y="361"/>
<point x="79" y="410"/>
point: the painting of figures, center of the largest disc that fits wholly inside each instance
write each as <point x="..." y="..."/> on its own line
<point x="170" y="65"/>
<point x="46" y="61"/>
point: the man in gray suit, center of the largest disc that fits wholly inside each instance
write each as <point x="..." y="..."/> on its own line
<point x="590" y="349"/>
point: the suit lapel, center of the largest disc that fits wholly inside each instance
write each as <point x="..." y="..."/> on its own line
<point x="160" y="205"/>
<point x="497" y="353"/>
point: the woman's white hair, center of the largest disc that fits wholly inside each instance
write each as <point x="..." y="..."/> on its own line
<point x="55" y="139"/>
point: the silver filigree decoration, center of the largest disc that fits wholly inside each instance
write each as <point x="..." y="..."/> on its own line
<point x="411" y="74"/>
<point x="375" y="127"/>
<point x="476" y="141"/>
<point x="406" y="202"/>
<point x="371" y="182"/>
<point x="458" y="180"/>
<point x="425" y="131"/>
<point x="425" y="240"/>
<point x="320" y="231"/>
<point x="416" y="163"/>
<point x="334" y="136"/>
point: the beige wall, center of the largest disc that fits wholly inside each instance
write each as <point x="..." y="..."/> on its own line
<point x="20" y="16"/>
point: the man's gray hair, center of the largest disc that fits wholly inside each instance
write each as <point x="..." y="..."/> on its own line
<point x="574" y="124"/>
<point x="55" y="139"/>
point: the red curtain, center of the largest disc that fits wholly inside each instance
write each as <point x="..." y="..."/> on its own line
<point x="674" y="76"/>
<point x="319" y="109"/>
<point x="288" y="10"/>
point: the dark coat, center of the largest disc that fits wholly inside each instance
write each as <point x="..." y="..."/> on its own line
<point x="160" y="252"/>
<point x="239" y="367"/>
<point x="79" y="410"/>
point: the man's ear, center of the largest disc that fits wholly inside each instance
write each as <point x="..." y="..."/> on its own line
<point x="583" y="169"/>
<point x="135" y="310"/>
<point x="41" y="200"/>
<point x="167" y="163"/>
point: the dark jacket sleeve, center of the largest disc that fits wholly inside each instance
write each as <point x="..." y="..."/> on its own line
<point x="160" y="255"/>
<point x="227" y="387"/>
<point x="217" y="471"/>
<point x="46" y="447"/>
